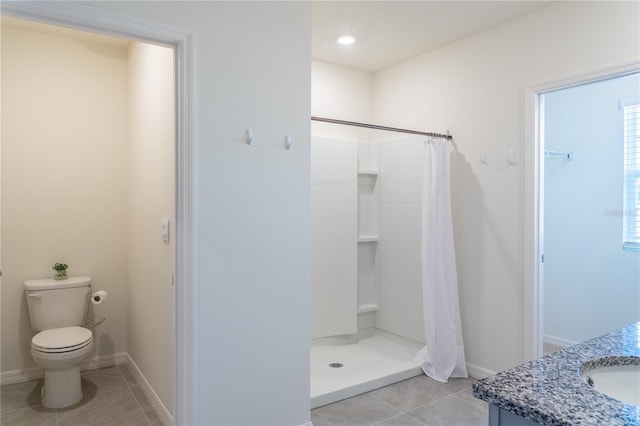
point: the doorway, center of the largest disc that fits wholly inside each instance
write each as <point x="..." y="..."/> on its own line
<point x="591" y="278"/>
<point x="82" y="17"/>
<point x="572" y="151"/>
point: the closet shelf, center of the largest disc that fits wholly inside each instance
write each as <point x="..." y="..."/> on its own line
<point x="368" y="239"/>
<point x="367" y="308"/>
<point x="368" y="172"/>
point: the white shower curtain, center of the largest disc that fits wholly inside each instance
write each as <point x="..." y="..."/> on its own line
<point x="443" y="356"/>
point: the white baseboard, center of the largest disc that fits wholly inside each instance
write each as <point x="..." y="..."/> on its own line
<point x="103" y="361"/>
<point x="36" y="373"/>
<point x="148" y="391"/>
<point x="21" y="375"/>
<point x="558" y="341"/>
<point x="477" y="372"/>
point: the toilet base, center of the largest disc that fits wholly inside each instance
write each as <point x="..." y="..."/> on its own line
<point x="61" y="388"/>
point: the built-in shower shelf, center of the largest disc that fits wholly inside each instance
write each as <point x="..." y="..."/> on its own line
<point x="368" y="239"/>
<point x="367" y="308"/>
<point x="368" y="172"/>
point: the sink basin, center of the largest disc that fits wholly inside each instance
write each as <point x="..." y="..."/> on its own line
<point x="621" y="382"/>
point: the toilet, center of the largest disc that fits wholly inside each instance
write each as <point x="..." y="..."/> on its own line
<point x="57" y="310"/>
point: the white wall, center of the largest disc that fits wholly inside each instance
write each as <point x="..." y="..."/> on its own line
<point x="342" y="93"/>
<point x="474" y="88"/>
<point x="401" y="168"/>
<point x="252" y="222"/>
<point x="63" y="177"/>
<point x="586" y="271"/>
<point x="150" y="265"/>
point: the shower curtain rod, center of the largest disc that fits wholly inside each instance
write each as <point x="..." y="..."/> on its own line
<point x="374" y="126"/>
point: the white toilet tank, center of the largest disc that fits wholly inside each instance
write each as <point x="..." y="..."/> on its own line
<point x="57" y="303"/>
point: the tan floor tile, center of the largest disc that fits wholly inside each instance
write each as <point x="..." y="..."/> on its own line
<point x="102" y="409"/>
<point x="451" y="410"/>
<point x="30" y="416"/>
<point x="359" y="410"/>
<point x="20" y="395"/>
<point x="103" y="380"/>
<point x="417" y="391"/>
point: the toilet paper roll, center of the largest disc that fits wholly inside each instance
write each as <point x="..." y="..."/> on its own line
<point x="99" y="297"/>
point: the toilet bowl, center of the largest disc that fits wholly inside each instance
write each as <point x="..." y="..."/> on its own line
<point x="57" y="310"/>
<point x="60" y="351"/>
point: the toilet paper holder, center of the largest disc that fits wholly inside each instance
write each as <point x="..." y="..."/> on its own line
<point x="99" y="297"/>
<point x="96" y="298"/>
<point x="95" y="321"/>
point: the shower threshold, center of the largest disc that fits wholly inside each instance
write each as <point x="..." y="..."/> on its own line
<point x="368" y="364"/>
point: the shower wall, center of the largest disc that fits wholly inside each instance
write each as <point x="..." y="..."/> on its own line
<point x="334" y="228"/>
<point x="344" y="93"/>
<point x="401" y="169"/>
<point x="366" y="227"/>
<point x="387" y="236"/>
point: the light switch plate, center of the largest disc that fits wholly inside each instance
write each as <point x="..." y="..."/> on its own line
<point x="165" y="229"/>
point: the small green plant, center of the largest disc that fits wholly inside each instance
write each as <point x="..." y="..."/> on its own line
<point x="60" y="267"/>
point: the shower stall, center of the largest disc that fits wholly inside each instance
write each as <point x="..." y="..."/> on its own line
<point x="367" y="321"/>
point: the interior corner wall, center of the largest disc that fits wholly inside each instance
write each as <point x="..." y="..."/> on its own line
<point x="342" y="93"/>
<point x="474" y="88"/>
<point x="64" y="174"/>
<point x="250" y="205"/>
<point x="151" y="188"/>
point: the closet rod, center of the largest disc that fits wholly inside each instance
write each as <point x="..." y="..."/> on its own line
<point x="374" y="126"/>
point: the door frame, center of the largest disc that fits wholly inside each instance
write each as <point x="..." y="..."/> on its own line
<point x="81" y="17"/>
<point x="534" y="197"/>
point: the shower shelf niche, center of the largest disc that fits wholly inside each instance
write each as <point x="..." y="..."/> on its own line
<point x="370" y="307"/>
<point x="368" y="172"/>
<point x="368" y="239"/>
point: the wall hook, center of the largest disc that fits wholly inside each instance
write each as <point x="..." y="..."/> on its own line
<point x="287" y="142"/>
<point x="249" y="137"/>
<point x="483" y="157"/>
<point x="513" y="160"/>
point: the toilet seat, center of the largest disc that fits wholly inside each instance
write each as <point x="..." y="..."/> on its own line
<point x="65" y="339"/>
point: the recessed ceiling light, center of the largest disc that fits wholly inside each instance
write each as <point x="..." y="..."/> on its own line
<point x="346" y="39"/>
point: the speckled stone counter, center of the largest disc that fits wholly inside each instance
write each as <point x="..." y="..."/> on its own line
<point x="550" y="390"/>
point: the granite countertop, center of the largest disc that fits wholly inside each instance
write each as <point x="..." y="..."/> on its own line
<point x="550" y="390"/>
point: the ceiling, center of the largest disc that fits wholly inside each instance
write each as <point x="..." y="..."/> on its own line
<point x="389" y="32"/>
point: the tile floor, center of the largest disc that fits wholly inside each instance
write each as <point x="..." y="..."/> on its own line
<point x="111" y="397"/>
<point x="414" y="402"/>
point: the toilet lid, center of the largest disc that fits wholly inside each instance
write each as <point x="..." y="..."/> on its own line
<point x="62" y="339"/>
